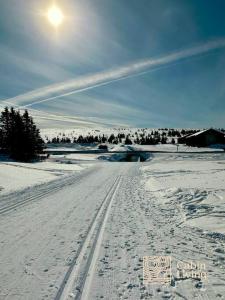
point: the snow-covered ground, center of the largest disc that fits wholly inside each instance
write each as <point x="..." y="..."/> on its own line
<point x="16" y="176"/>
<point x="175" y="148"/>
<point x="193" y="183"/>
<point x="121" y="148"/>
<point x="85" y="235"/>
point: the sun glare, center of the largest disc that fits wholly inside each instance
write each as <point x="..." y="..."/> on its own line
<point x="55" y="16"/>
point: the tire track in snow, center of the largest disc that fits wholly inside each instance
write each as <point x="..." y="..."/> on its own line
<point x="77" y="281"/>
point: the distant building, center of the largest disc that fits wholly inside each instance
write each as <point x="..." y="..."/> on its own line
<point x="182" y="139"/>
<point x="204" y="138"/>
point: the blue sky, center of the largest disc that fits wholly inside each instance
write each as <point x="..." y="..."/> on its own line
<point x="140" y="63"/>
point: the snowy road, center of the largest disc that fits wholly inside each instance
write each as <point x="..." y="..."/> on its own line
<point x="84" y="236"/>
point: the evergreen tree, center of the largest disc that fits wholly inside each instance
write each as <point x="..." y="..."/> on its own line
<point x="19" y="136"/>
<point x="111" y="138"/>
<point x="4" y="128"/>
<point x="128" y="140"/>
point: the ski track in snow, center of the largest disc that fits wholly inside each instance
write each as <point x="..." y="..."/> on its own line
<point x="87" y="254"/>
<point x="84" y="237"/>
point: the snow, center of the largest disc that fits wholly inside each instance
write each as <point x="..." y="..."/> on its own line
<point x="173" y="148"/>
<point x="194" y="183"/>
<point x="13" y="178"/>
<point x="121" y="148"/>
<point x="86" y="157"/>
<point x="17" y="175"/>
<point x="84" y="235"/>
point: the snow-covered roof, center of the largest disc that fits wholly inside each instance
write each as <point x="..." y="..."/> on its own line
<point x="205" y="130"/>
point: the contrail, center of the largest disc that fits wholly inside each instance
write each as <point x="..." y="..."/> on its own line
<point x="58" y="117"/>
<point x="137" y="68"/>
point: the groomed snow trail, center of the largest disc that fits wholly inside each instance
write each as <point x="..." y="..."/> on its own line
<point x="86" y="240"/>
<point x="88" y="253"/>
<point x="45" y="233"/>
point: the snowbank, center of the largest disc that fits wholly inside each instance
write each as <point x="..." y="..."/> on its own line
<point x="16" y="176"/>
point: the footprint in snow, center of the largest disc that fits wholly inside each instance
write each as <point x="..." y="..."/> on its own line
<point x="219" y="250"/>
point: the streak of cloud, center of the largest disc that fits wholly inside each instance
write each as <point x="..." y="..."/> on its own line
<point x="73" y="120"/>
<point x="87" y="82"/>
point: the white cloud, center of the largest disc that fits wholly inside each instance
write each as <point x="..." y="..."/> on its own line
<point x="91" y="81"/>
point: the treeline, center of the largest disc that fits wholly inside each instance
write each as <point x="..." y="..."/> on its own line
<point x="142" y="136"/>
<point x="128" y="139"/>
<point x="19" y="136"/>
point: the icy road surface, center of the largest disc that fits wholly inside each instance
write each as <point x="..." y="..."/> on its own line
<point x="84" y="237"/>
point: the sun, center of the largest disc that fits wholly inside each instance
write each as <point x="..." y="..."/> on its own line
<point x="55" y="16"/>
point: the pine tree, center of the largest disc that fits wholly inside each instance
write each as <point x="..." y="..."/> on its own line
<point x="4" y="128"/>
<point x="128" y="140"/>
<point x="19" y="136"/>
